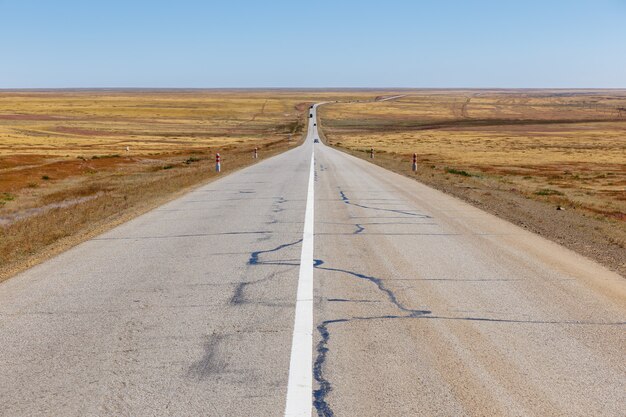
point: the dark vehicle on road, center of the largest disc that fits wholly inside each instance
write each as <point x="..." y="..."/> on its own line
<point x="316" y="140"/>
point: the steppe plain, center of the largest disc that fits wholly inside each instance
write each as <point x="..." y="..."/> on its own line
<point x="76" y="162"/>
<point x="553" y="161"/>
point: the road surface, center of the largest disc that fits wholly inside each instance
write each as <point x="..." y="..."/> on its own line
<point x="421" y="306"/>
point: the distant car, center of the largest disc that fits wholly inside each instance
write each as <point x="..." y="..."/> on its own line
<point x="316" y="140"/>
<point x="314" y="124"/>
<point x="310" y="114"/>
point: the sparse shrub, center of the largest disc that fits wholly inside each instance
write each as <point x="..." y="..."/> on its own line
<point x="5" y="198"/>
<point x="168" y="167"/>
<point x="116" y="155"/>
<point x="191" y="160"/>
<point x="458" y="172"/>
<point x="548" y="191"/>
<point x="45" y="177"/>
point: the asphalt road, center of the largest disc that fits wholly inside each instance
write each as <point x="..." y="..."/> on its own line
<point x="422" y="306"/>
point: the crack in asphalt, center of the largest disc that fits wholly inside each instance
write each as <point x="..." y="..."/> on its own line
<point x="320" y="394"/>
<point x="325" y="387"/>
<point x="276" y="206"/>
<point x="346" y="300"/>
<point x="346" y="200"/>
<point x="360" y="227"/>
<point x="238" y="297"/>
<point x="208" y="364"/>
<point x="260" y="232"/>
<point x="379" y="283"/>
<point x="254" y="256"/>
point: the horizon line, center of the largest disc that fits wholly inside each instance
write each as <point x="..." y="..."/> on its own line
<point x="304" y="88"/>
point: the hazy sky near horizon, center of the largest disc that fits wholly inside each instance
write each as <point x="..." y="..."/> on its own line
<point x="320" y="43"/>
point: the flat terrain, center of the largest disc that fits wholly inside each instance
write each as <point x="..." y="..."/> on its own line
<point x="429" y="306"/>
<point x="519" y="154"/>
<point x="72" y="163"/>
<point x="423" y="306"/>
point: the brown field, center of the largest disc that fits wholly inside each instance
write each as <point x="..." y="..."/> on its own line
<point x="65" y="172"/>
<point x="556" y="148"/>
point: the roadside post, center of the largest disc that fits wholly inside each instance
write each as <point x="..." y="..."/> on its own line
<point x="218" y="165"/>
<point x="372" y="153"/>
<point x="414" y="162"/>
<point x="256" y="153"/>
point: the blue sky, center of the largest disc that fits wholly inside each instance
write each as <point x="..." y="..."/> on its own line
<point x="314" y="43"/>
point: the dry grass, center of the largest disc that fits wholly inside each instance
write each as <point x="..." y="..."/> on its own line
<point x="517" y="154"/>
<point x="75" y="209"/>
<point x="66" y="173"/>
<point x="569" y="147"/>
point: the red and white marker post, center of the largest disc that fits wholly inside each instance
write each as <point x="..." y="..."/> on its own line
<point x="256" y="153"/>
<point x="414" y="162"/>
<point x="218" y="164"/>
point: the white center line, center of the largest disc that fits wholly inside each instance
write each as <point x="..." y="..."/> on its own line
<point x="300" y="385"/>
